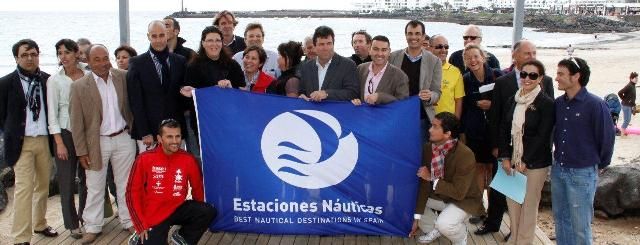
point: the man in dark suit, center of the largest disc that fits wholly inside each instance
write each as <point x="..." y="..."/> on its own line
<point x="472" y="35"/>
<point x="153" y="84"/>
<point x="505" y="87"/>
<point x="330" y="76"/>
<point x="381" y="82"/>
<point x="23" y="119"/>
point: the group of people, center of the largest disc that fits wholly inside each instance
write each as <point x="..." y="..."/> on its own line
<point x="129" y="125"/>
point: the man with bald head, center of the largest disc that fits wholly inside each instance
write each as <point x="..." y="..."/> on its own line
<point x="472" y="35"/>
<point x="153" y="83"/>
<point x="452" y="83"/>
<point x="100" y="122"/>
<point x="504" y="88"/>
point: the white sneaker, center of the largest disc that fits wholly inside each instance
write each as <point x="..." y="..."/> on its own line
<point x="463" y="242"/>
<point x="429" y="237"/>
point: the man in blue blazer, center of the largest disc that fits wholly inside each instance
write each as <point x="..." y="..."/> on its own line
<point x="153" y="82"/>
<point x="329" y="76"/>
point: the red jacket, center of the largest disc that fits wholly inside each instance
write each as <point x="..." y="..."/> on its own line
<point x="263" y="81"/>
<point x="158" y="185"/>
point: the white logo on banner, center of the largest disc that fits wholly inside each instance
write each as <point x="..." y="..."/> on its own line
<point x="292" y="149"/>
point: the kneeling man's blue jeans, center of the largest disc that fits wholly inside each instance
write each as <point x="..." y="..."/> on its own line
<point x="572" y="193"/>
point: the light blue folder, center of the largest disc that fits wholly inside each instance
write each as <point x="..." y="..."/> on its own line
<point x="512" y="186"/>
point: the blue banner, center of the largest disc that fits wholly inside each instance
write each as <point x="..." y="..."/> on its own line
<point x="281" y="165"/>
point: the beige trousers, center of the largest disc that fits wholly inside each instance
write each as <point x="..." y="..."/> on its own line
<point x="525" y="216"/>
<point x="31" y="188"/>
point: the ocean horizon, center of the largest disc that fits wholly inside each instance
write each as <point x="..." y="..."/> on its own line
<point x="46" y="28"/>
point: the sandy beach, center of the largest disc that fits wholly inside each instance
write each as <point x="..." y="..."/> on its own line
<point x="611" y="61"/>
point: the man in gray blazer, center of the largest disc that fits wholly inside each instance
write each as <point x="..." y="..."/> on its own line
<point x="329" y="76"/>
<point x="381" y="82"/>
<point x="424" y="71"/>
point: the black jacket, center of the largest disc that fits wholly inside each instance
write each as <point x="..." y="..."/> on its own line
<point x="628" y="95"/>
<point x="151" y="101"/>
<point x="538" y="124"/>
<point x="187" y="53"/>
<point x="13" y="114"/>
<point x="340" y="81"/>
<point x="504" y="89"/>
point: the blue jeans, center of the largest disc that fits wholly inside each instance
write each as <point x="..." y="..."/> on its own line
<point x="626" y="111"/>
<point x="572" y="193"/>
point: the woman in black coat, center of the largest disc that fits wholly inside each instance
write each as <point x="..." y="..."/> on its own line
<point x="525" y="147"/>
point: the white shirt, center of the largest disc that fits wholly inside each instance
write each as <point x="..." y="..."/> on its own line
<point x="374" y="79"/>
<point x="270" y="65"/>
<point x="517" y="76"/>
<point x="58" y="95"/>
<point x="112" y="120"/>
<point x="322" y="72"/>
<point x="39" y="127"/>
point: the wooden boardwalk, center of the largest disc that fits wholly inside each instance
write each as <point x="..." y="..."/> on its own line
<point x="112" y="233"/>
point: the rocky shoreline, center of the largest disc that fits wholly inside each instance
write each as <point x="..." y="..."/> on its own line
<point x="542" y="22"/>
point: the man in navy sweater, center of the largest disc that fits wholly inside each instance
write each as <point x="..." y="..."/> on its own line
<point x="583" y="139"/>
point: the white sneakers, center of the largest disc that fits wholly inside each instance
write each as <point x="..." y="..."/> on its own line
<point x="434" y="235"/>
<point x="429" y="237"/>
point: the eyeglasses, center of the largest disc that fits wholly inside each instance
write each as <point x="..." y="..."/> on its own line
<point x="532" y="75"/>
<point x="370" y="86"/>
<point x="574" y="61"/>
<point x="440" y="46"/>
<point x="473" y="38"/>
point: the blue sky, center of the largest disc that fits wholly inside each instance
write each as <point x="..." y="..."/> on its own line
<point x="171" y="5"/>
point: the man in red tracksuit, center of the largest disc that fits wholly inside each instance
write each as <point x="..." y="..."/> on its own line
<point x="157" y="192"/>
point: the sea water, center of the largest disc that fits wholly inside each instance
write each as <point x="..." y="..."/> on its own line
<point x="46" y="28"/>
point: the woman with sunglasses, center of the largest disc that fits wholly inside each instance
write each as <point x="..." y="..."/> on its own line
<point x="475" y="110"/>
<point x="525" y="146"/>
<point x="58" y="95"/>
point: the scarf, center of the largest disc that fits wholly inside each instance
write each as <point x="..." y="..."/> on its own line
<point x="162" y="57"/>
<point x="33" y="92"/>
<point x="437" y="158"/>
<point x="517" y="124"/>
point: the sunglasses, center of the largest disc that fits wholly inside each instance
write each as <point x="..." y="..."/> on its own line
<point x="440" y="46"/>
<point x="532" y="75"/>
<point x="574" y="61"/>
<point x="470" y="37"/>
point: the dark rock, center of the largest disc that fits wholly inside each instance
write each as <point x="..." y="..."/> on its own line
<point x="7" y="177"/>
<point x="545" y="197"/>
<point x="618" y="189"/>
<point x="4" y="199"/>
<point x="3" y="163"/>
<point x="600" y="214"/>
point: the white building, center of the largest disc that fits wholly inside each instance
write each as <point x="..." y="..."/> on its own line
<point x="369" y="6"/>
